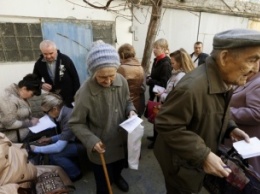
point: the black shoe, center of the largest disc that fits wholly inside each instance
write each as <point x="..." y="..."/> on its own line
<point x="122" y="184"/>
<point x="151" y="138"/>
<point x="151" y="145"/>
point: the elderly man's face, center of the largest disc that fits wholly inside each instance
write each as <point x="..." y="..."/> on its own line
<point x="239" y="64"/>
<point x="105" y="76"/>
<point x="49" y="53"/>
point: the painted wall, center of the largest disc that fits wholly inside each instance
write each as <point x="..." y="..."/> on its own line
<point x="179" y="27"/>
<point x="183" y="28"/>
<point x="35" y="10"/>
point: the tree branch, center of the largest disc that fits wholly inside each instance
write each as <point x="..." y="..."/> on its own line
<point x="99" y="7"/>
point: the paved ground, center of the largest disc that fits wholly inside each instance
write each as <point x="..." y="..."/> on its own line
<point x="148" y="179"/>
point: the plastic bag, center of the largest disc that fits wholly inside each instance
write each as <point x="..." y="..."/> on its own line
<point x="134" y="141"/>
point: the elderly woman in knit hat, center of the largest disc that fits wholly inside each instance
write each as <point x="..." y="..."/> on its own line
<point x="101" y="104"/>
<point x="62" y="148"/>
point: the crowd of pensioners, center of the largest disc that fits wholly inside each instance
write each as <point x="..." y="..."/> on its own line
<point x="197" y="114"/>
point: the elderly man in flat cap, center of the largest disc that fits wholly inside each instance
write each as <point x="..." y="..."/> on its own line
<point x="101" y="104"/>
<point x="194" y="118"/>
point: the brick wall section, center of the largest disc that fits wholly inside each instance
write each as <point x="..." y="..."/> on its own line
<point x="243" y="8"/>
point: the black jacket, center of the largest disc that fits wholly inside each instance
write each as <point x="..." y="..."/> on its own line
<point x="202" y="58"/>
<point x="161" y="73"/>
<point x="67" y="84"/>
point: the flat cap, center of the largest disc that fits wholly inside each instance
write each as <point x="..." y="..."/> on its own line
<point x="236" y="38"/>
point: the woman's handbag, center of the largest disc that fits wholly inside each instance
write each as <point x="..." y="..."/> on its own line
<point x="50" y="183"/>
<point x="152" y="109"/>
<point x="242" y="180"/>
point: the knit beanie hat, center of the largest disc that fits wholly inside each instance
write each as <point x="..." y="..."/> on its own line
<point x="102" y="55"/>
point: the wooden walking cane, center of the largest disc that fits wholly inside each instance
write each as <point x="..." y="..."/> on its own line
<point x="106" y="174"/>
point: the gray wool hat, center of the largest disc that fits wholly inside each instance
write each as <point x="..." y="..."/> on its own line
<point x="236" y="38"/>
<point x="102" y="55"/>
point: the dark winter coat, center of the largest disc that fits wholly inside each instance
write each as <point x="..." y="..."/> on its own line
<point x="191" y="123"/>
<point x="66" y="81"/>
<point x="160" y="74"/>
<point x="133" y="72"/>
<point x="202" y="58"/>
<point x="96" y="116"/>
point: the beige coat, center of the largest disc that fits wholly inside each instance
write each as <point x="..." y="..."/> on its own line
<point x="15" y="113"/>
<point x="133" y="72"/>
<point x="14" y="166"/>
<point x="16" y="171"/>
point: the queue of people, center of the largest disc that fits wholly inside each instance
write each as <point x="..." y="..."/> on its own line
<point x="197" y="113"/>
<point x="192" y="122"/>
<point x="61" y="77"/>
<point x="160" y="74"/>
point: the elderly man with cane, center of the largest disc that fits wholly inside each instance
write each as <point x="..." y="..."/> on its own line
<point x="101" y="104"/>
<point x="195" y="117"/>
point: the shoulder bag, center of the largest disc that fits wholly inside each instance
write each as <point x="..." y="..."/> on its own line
<point x="242" y="180"/>
<point x="50" y="183"/>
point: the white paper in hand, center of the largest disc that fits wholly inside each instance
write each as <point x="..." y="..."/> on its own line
<point x="130" y="124"/>
<point x="158" y="89"/>
<point x="248" y="150"/>
<point x="44" y="123"/>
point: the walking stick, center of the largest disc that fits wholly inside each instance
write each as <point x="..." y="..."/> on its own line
<point x="106" y="174"/>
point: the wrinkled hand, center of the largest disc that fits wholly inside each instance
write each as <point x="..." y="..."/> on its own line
<point x="46" y="87"/>
<point x="99" y="147"/>
<point x="237" y="134"/>
<point x="214" y="165"/>
<point x="131" y="113"/>
<point x="34" y="121"/>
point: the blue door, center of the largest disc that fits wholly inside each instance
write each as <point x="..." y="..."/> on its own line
<point x="73" y="38"/>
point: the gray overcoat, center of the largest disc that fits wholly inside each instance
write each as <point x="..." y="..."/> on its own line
<point x="96" y="116"/>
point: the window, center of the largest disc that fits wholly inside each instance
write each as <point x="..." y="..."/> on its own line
<point x="19" y="41"/>
<point x="104" y="31"/>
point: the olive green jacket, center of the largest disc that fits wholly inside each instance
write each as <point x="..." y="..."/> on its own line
<point x="189" y="124"/>
<point x="96" y="116"/>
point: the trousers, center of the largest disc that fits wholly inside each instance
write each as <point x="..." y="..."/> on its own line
<point x="114" y="170"/>
<point x="67" y="159"/>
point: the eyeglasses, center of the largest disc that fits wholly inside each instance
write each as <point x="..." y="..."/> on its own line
<point x="47" y="112"/>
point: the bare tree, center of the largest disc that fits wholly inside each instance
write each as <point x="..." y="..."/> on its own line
<point x="151" y="32"/>
<point x="152" y="28"/>
<point x="99" y="7"/>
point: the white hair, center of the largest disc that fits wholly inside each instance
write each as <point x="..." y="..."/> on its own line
<point x="51" y="100"/>
<point x="47" y="43"/>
